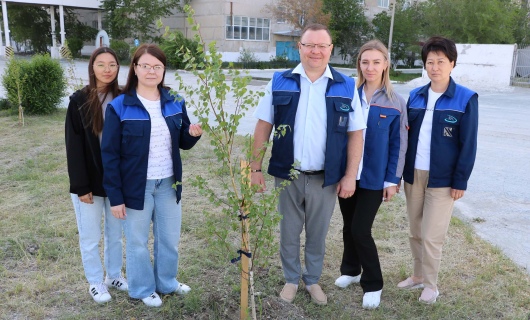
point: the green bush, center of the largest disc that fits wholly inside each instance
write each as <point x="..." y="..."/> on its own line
<point x="5" y="104"/>
<point x="122" y="49"/>
<point x="174" y="46"/>
<point x="39" y="81"/>
<point x="75" y="45"/>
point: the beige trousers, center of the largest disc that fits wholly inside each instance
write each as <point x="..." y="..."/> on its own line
<point x="429" y="211"/>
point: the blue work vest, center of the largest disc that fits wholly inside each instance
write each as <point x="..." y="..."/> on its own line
<point x="453" y="137"/>
<point x="285" y="98"/>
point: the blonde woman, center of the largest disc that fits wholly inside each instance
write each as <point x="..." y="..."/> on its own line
<point x="380" y="170"/>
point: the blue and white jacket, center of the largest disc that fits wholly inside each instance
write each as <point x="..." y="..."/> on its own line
<point x="125" y="146"/>
<point x="385" y="142"/>
<point x="285" y="97"/>
<point x="453" y="139"/>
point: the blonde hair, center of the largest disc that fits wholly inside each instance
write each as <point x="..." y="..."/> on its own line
<point x="385" y="79"/>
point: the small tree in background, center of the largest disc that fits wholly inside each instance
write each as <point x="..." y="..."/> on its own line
<point x="298" y="13"/>
<point x="235" y="206"/>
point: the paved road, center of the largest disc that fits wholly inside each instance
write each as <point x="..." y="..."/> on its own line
<point x="497" y="202"/>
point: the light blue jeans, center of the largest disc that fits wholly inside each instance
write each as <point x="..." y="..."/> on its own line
<point x="160" y="206"/>
<point x="89" y="226"/>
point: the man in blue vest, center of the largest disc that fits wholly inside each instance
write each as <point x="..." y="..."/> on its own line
<point x="318" y="109"/>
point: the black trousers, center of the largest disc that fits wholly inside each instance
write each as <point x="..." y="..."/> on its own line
<point x="360" y="252"/>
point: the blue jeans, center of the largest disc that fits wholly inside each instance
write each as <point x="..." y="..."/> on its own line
<point x="89" y="226"/>
<point x="160" y="206"/>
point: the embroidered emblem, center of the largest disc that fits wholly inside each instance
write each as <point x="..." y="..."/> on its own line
<point x="448" y="132"/>
<point x="451" y="119"/>
<point x="344" y="107"/>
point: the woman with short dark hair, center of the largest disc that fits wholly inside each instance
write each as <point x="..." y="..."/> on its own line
<point x="443" y="120"/>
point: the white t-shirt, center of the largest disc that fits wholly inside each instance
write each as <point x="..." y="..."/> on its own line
<point x="160" y="163"/>
<point x="311" y="119"/>
<point x="423" y="153"/>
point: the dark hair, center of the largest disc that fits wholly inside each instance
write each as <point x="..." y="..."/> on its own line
<point x="439" y="45"/>
<point x="316" y="27"/>
<point x="92" y="107"/>
<point x="146" y="48"/>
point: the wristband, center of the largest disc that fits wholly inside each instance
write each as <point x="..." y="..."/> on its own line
<point x="257" y="170"/>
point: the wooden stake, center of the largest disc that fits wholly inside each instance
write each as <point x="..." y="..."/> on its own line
<point x="245" y="247"/>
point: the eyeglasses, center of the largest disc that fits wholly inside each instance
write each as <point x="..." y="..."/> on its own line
<point x="148" y="67"/>
<point x="102" y="66"/>
<point x="320" y="46"/>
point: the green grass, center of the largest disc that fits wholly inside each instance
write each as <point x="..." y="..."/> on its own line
<point x="41" y="276"/>
<point x="403" y="77"/>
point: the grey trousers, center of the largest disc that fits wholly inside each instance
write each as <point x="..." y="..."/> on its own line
<point x="305" y="203"/>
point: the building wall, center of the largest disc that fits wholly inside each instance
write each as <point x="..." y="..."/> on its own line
<point x="211" y="16"/>
<point x="480" y="67"/>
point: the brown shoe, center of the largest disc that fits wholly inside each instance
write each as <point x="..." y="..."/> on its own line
<point x="288" y="292"/>
<point x="317" y="295"/>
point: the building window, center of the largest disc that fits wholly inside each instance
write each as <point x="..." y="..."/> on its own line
<point x="281" y="18"/>
<point x="245" y="28"/>
<point x="382" y="3"/>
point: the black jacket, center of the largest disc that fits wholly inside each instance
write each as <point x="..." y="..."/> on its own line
<point x="83" y="152"/>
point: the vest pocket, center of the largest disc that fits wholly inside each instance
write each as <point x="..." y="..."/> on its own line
<point x="341" y="116"/>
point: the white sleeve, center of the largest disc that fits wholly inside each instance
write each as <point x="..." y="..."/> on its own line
<point x="265" y="111"/>
<point x="356" y="118"/>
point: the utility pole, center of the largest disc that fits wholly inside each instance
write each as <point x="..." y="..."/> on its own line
<point x="391" y="30"/>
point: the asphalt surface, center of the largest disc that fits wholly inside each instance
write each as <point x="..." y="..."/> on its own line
<point x="497" y="202"/>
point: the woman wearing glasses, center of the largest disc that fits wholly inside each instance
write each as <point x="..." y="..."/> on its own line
<point x="144" y="129"/>
<point x="83" y="130"/>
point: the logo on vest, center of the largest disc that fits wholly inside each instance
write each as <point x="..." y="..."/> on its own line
<point x="448" y="132"/>
<point x="451" y="119"/>
<point x="344" y="107"/>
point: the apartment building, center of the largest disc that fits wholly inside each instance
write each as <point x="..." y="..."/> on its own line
<point x="237" y="25"/>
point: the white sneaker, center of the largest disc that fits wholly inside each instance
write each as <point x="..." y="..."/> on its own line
<point x="119" y="283"/>
<point x="344" y="281"/>
<point x="153" y="300"/>
<point x="99" y="292"/>
<point x="372" y="299"/>
<point x="182" y="289"/>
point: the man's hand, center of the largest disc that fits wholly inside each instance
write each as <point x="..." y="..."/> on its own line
<point x="256" y="178"/>
<point x="346" y="187"/>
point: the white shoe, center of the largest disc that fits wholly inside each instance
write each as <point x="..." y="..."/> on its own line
<point x="371" y="300"/>
<point x="182" y="289"/>
<point x="344" y="281"/>
<point x="99" y="292"/>
<point x="153" y="300"/>
<point x="119" y="283"/>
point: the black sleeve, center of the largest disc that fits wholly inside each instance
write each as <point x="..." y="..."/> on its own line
<point x="75" y="151"/>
